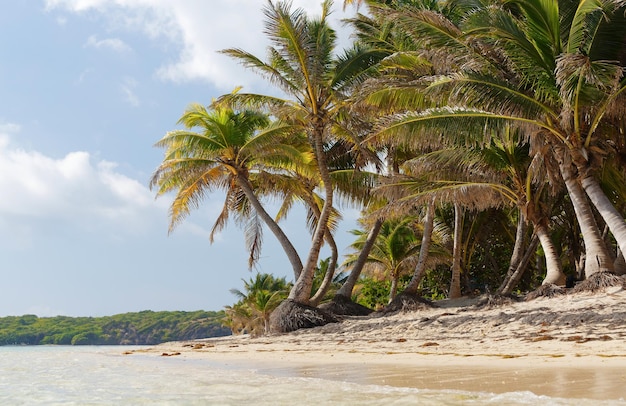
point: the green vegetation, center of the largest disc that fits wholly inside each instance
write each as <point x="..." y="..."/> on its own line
<point x="260" y="297"/>
<point x="146" y="327"/>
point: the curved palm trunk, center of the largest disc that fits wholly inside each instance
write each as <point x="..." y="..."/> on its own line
<point x="330" y="272"/>
<point x="455" y="283"/>
<point x="508" y="287"/>
<point x="518" y="253"/>
<point x="284" y="241"/>
<point x="301" y="291"/>
<point x="554" y="272"/>
<point x="597" y="256"/>
<point x="420" y="267"/>
<point x="348" y="286"/>
<point x="332" y="266"/>
<point x="609" y="213"/>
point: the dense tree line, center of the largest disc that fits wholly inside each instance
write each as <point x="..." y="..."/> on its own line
<point x="146" y="327"/>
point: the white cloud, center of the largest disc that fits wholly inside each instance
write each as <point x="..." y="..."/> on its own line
<point x="114" y="44"/>
<point x="83" y="75"/>
<point x="72" y="189"/>
<point x="199" y="29"/>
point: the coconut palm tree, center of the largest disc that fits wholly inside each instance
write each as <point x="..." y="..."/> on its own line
<point x="515" y="79"/>
<point x="302" y="64"/>
<point x="572" y="65"/>
<point x="434" y="179"/>
<point x="353" y="186"/>
<point x="228" y="151"/>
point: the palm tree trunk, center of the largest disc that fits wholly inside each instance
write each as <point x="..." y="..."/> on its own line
<point x="521" y="267"/>
<point x="609" y="213"/>
<point x="284" y="241"/>
<point x="597" y="256"/>
<point x="348" y="286"/>
<point x="554" y="272"/>
<point x="455" y="283"/>
<point x="301" y="291"/>
<point x="420" y="267"/>
<point x="330" y="272"/>
<point x="334" y="256"/>
<point x="393" y="290"/>
<point x="518" y="252"/>
<point x="620" y="263"/>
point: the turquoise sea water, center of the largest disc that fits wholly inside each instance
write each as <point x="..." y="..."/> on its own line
<point x="104" y="376"/>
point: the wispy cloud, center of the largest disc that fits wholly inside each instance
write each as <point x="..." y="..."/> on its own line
<point x="83" y="75"/>
<point x="7" y="129"/>
<point x="114" y="44"/>
<point x="128" y="90"/>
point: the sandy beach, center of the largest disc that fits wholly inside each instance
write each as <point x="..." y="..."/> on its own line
<point x="571" y="346"/>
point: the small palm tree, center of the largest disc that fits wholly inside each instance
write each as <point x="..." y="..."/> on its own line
<point x="261" y="295"/>
<point x="394" y="251"/>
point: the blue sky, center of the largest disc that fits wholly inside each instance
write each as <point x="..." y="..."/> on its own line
<point x="86" y="88"/>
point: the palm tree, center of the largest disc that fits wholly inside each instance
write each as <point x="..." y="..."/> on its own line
<point x="513" y="79"/>
<point x="436" y="178"/>
<point x="358" y="263"/>
<point x="393" y="252"/>
<point x="578" y="45"/>
<point x="301" y="63"/>
<point x="261" y="295"/>
<point x="230" y="150"/>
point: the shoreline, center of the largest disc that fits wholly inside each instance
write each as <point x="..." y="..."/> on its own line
<point x="565" y="347"/>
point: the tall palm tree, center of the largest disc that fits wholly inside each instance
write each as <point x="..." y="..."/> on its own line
<point x="229" y="150"/>
<point x="302" y="64"/>
<point x="574" y="47"/>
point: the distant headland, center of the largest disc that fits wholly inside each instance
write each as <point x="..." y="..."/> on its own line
<point x="139" y="328"/>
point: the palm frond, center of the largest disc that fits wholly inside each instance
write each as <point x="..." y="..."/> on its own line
<point x="431" y="127"/>
<point x="254" y="237"/>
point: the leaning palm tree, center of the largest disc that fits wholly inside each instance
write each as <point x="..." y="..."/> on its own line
<point x="228" y="151"/>
<point x="506" y="65"/>
<point x="573" y="84"/>
<point x="302" y="64"/>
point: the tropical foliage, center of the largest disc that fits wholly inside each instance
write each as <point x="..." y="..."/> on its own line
<point x="261" y="295"/>
<point x="482" y="140"/>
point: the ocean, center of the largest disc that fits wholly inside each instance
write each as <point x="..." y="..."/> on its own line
<point x="58" y="375"/>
